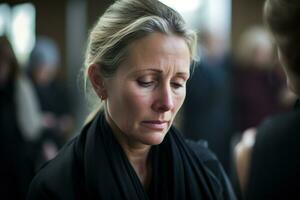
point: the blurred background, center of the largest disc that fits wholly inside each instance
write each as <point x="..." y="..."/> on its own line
<point x="236" y="83"/>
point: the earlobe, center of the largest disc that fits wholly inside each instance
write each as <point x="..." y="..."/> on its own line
<point x="97" y="81"/>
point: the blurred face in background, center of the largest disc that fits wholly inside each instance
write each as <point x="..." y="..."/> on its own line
<point x="263" y="56"/>
<point x="149" y="87"/>
<point x="44" y="74"/>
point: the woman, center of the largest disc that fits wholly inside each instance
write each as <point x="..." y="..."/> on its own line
<point x="275" y="157"/>
<point x="138" y="61"/>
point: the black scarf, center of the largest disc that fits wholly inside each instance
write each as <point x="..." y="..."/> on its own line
<point x="177" y="170"/>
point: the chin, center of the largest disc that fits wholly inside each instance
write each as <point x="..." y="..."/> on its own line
<point x="155" y="139"/>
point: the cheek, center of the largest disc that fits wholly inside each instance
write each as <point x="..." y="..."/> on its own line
<point x="136" y="102"/>
<point x="179" y="99"/>
<point x="136" y="109"/>
<point x="125" y="108"/>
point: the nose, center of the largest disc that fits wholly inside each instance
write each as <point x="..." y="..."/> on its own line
<point x="164" y="101"/>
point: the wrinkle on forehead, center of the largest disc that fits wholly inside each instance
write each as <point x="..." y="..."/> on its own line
<point x="168" y="53"/>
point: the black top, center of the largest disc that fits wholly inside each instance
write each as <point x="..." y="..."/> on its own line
<point x="94" y="166"/>
<point x="275" y="166"/>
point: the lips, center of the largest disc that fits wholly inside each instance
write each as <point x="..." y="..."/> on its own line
<point x="155" y="124"/>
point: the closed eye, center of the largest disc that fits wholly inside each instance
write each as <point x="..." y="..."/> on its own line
<point x="145" y="83"/>
<point x="177" y="85"/>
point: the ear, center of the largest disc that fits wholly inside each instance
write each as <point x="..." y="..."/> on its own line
<point x="97" y="80"/>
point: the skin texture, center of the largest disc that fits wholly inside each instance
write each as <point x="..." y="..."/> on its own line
<point x="144" y="95"/>
<point x="148" y="89"/>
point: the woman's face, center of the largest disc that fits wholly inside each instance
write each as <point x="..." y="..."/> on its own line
<point x="148" y="89"/>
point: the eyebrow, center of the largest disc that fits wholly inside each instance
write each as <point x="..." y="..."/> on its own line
<point x="150" y="69"/>
<point x="160" y="71"/>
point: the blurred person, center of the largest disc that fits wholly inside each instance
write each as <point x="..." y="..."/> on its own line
<point x="257" y="83"/>
<point x="208" y="112"/>
<point x="137" y="61"/>
<point x="272" y="161"/>
<point x="57" y="117"/>
<point x="20" y="126"/>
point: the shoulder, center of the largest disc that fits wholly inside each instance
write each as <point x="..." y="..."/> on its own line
<point x="201" y="149"/>
<point x="277" y="141"/>
<point x="198" y="148"/>
<point x="280" y="129"/>
<point x="56" y="178"/>
<point x="274" y="162"/>
<point x="207" y="157"/>
<point x="278" y="138"/>
<point x="214" y="169"/>
<point x="284" y="120"/>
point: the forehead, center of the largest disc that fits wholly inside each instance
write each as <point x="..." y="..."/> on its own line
<point x="160" y="51"/>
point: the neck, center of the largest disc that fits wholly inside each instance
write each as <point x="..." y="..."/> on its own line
<point x="137" y="153"/>
<point x="138" y="158"/>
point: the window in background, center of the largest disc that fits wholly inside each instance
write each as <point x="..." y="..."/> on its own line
<point x="18" y="24"/>
<point x="218" y="17"/>
<point x="183" y="6"/>
<point x="4" y="19"/>
<point x="22" y="30"/>
<point x="212" y="15"/>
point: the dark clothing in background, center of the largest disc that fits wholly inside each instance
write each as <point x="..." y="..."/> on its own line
<point x="54" y="99"/>
<point x="256" y="96"/>
<point x="208" y="112"/>
<point x="17" y="165"/>
<point x="275" y="166"/>
<point x="94" y="166"/>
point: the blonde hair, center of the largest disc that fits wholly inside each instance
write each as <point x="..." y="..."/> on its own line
<point x="124" y="22"/>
